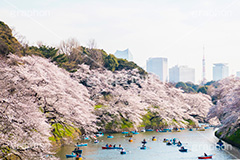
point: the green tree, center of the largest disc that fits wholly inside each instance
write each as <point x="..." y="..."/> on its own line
<point x="202" y="89"/>
<point x="110" y="62"/>
<point x="181" y="85"/>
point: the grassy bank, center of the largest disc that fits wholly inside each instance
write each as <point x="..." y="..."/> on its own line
<point x="233" y="139"/>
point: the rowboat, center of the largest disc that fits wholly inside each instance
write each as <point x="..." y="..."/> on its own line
<point x="124" y="132"/>
<point x="80" y="145"/>
<point x="109" y="136"/>
<point x="77" y="151"/>
<point x="71" y="155"/>
<point x="205" y="157"/>
<point x="123" y="152"/>
<point x="149" y="130"/>
<point x="130" y="140"/>
<point x="135" y="133"/>
<point x="183" y="150"/>
<point x="220" y="147"/>
<point x="154" y="139"/>
<point x="129" y="135"/>
<point x="112" y="148"/>
<point x="143" y="147"/>
<point x="99" y="134"/>
<point x="168" y="143"/>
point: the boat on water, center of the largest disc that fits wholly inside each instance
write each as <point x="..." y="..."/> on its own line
<point x="149" y="129"/>
<point x="169" y="143"/>
<point x="96" y="141"/>
<point x="128" y="135"/>
<point x="71" y="155"/>
<point x="143" y="147"/>
<point x="124" y="132"/>
<point x="130" y="140"/>
<point x="79" y="151"/>
<point x="81" y="145"/>
<point x="110" y="136"/>
<point x="78" y="157"/>
<point x="220" y="147"/>
<point x="99" y="134"/>
<point x="86" y="138"/>
<point x="154" y="139"/>
<point x="183" y="150"/>
<point x="205" y="157"/>
<point x="134" y="132"/>
<point x="143" y="130"/>
<point x="190" y="129"/>
<point x="123" y="152"/>
<point x="112" y="147"/>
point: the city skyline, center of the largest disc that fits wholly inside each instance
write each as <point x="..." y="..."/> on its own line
<point x="175" y="30"/>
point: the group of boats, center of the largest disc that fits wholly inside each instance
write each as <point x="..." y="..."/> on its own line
<point x="77" y="152"/>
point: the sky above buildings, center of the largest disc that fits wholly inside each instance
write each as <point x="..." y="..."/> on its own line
<point x="173" y="29"/>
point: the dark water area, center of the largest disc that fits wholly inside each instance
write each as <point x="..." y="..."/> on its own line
<point x="197" y="143"/>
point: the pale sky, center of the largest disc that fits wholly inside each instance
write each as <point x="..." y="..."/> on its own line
<point x="173" y="29"/>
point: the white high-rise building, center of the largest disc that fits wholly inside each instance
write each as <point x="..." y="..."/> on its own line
<point x="126" y="54"/>
<point x="238" y="74"/>
<point x="181" y="74"/>
<point x="220" y="71"/>
<point x="158" y="66"/>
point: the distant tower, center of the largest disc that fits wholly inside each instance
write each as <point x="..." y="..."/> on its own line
<point x="204" y="68"/>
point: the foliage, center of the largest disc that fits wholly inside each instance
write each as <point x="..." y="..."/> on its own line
<point x="8" y="43"/>
<point x="190" y="122"/>
<point x="98" y="106"/>
<point x="124" y="64"/>
<point x="110" y="62"/>
<point x="187" y="87"/>
<point x="152" y="119"/>
<point x="202" y="89"/>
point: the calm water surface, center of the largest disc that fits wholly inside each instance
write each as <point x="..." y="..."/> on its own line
<point x="197" y="142"/>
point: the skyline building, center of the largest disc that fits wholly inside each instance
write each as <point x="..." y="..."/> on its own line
<point x="125" y="54"/>
<point x="181" y="74"/>
<point x="220" y="71"/>
<point x="158" y="66"/>
<point x="204" y="80"/>
<point x="238" y="74"/>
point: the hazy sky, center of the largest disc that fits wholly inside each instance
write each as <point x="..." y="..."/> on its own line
<point x="173" y="29"/>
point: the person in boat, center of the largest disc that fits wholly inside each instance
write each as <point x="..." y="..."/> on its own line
<point x="106" y="145"/>
<point x="164" y="139"/>
<point x="182" y="148"/>
<point x="144" y="140"/>
<point x="110" y="145"/>
<point x="174" y="140"/>
<point x="114" y="145"/>
<point x="220" y="143"/>
<point x="205" y="154"/>
<point x="120" y="145"/>
<point x="179" y="143"/>
<point x="153" y="137"/>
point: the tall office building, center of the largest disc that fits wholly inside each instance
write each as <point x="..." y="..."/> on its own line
<point x="126" y="54"/>
<point x="238" y="74"/>
<point x="181" y="74"/>
<point x="220" y="71"/>
<point x="158" y="66"/>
